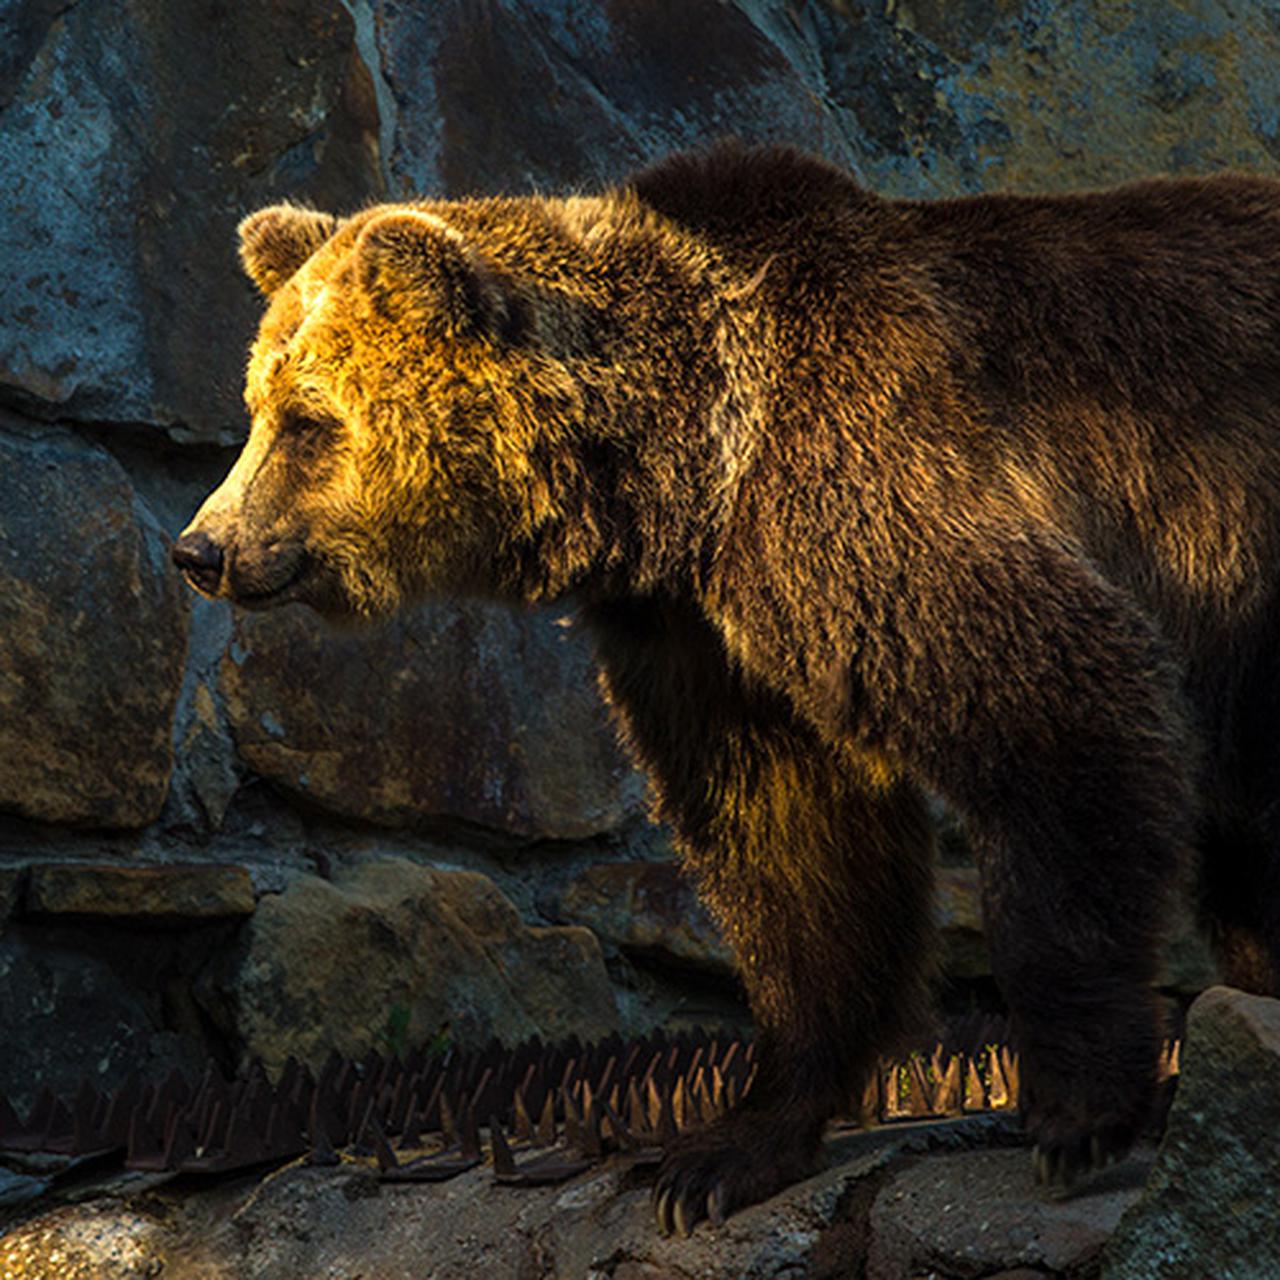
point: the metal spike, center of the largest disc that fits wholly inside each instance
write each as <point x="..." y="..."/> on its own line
<point x="430" y="1116"/>
<point x="470" y="1135"/>
<point x="59" y="1130"/>
<point x="920" y="1102"/>
<point x="364" y="1129"/>
<point x="381" y="1147"/>
<point x="975" y="1089"/>
<point x="949" y="1096"/>
<point x="481" y="1099"/>
<point x="998" y="1095"/>
<point x="623" y="1137"/>
<point x="10" y="1125"/>
<point x="214" y="1137"/>
<point x="523" y="1122"/>
<point x="606" y="1076"/>
<point x="666" y="1124"/>
<point x="504" y="1164"/>
<point x="679" y="1104"/>
<point x="572" y="1121"/>
<point x="322" y="1152"/>
<point x="1009" y="1066"/>
<point x="179" y="1145"/>
<point x="592" y="1144"/>
<point x="731" y="1054"/>
<point x="244" y="1143"/>
<point x="399" y="1104"/>
<point x="637" y="1120"/>
<point x="448" y="1124"/>
<point x="41" y="1112"/>
<point x="546" y="1132"/>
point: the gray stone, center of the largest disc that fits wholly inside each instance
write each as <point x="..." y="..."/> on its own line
<point x="975" y="1212"/>
<point x="479" y="106"/>
<point x="92" y="637"/>
<point x="132" y="147"/>
<point x="390" y="955"/>
<point x="1209" y="1208"/>
<point x="450" y="712"/>
<point x="649" y="910"/>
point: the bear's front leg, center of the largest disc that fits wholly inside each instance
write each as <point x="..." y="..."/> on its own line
<point x="819" y="880"/>
<point x="822" y="890"/>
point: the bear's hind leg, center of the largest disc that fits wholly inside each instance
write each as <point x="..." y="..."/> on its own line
<point x="1240" y="880"/>
<point x="819" y="880"/>
<point x="1077" y="772"/>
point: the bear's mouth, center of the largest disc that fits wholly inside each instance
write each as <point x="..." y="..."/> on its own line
<point x="262" y="586"/>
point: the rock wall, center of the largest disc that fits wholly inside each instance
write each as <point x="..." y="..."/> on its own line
<point x="139" y="726"/>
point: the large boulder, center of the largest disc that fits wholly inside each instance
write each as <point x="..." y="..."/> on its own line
<point x="1209" y="1208"/>
<point x="93" y="626"/>
<point x="133" y="141"/>
<point x="391" y="955"/>
<point x="918" y="98"/>
<point x="452" y="712"/>
<point x="485" y="106"/>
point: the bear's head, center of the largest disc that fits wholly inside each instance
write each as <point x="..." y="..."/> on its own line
<point x="409" y="399"/>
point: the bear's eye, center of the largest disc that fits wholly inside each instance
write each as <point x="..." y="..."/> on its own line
<point x="305" y="438"/>
<point x="296" y="424"/>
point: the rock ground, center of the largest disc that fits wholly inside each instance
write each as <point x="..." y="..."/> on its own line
<point x="870" y="1214"/>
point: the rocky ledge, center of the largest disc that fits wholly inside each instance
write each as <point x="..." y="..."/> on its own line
<point x="948" y="1201"/>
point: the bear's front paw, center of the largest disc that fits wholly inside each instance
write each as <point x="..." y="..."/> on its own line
<point x="1076" y="1137"/>
<point x="734" y="1162"/>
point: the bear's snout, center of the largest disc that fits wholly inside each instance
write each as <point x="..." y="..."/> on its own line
<point x="200" y="559"/>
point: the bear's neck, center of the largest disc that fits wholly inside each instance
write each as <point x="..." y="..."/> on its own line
<point x="642" y="484"/>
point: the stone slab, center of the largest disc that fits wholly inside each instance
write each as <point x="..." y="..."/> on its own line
<point x="168" y="894"/>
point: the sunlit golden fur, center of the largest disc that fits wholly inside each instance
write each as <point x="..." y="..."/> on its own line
<point x="857" y="497"/>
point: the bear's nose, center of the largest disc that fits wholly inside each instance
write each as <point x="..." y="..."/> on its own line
<point x="200" y="558"/>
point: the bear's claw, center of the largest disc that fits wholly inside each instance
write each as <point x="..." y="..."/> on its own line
<point x="709" y="1174"/>
<point x="1058" y="1166"/>
<point x="680" y="1203"/>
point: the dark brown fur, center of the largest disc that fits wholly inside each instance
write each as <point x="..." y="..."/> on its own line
<point x="858" y="497"/>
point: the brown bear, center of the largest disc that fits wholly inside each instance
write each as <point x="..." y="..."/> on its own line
<point x="859" y="498"/>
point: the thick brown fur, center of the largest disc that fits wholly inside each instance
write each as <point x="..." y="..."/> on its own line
<point x="858" y="497"/>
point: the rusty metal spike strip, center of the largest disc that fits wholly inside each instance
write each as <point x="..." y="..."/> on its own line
<point x="550" y="1110"/>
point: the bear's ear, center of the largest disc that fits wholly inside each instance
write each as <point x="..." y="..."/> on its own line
<point x="275" y="242"/>
<point x="418" y="269"/>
